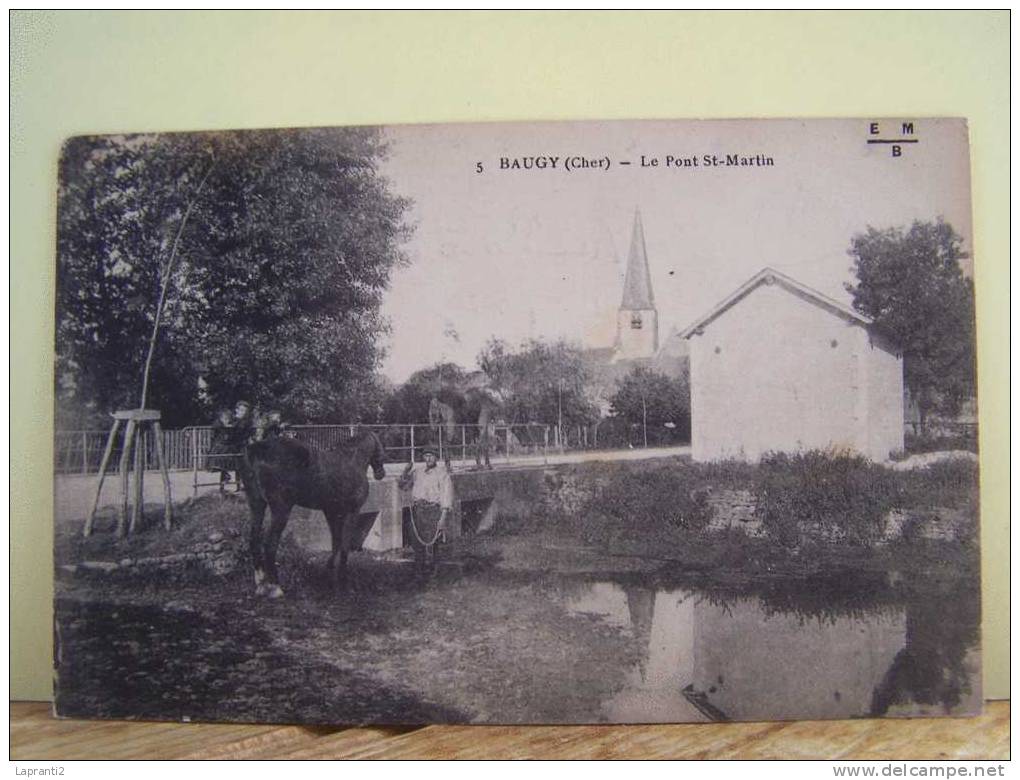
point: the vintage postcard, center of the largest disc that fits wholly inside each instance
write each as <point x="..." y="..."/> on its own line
<point x="580" y="422"/>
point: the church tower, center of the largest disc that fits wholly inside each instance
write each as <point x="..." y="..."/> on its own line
<point x="637" y="321"/>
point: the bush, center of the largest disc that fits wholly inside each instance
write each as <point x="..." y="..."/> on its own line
<point x="656" y="495"/>
<point x="944" y="484"/>
<point x="822" y="496"/>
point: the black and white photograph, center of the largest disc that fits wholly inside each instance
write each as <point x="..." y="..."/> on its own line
<point x="518" y="423"/>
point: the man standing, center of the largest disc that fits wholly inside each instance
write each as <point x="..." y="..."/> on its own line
<point x="431" y="506"/>
<point x="241" y="433"/>
<point x="221" y="448"/>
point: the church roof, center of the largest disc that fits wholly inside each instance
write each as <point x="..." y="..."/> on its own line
<point x="771" y="276"/>
<point x="637" y="286"/>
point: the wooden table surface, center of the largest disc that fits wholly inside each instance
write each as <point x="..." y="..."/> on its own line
<point x="35" y="734"/>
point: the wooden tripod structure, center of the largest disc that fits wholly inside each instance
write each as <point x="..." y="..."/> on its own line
<point x="134" y="438"/>
<point x="138" y="419"/>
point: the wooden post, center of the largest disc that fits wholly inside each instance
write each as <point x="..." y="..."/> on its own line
<point x="167" y="499"/>
<point x="125" y="473"/>
<point x="463" y="442"/>
<point x="545" y="444"/>
<point x="194" y="462"/>
<point x="138" y="510"/>
<point x="102" y="474"/>
<point x="412" y="442"/>
<point x="84" y="452"/>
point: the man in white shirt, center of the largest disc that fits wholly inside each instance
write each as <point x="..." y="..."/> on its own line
<point x="431" y="489"/>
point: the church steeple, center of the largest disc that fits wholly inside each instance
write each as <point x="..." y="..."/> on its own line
<point x="637" y="322"/>
<point x="637" y="286"/>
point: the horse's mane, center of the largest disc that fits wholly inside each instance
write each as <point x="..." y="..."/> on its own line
<point x="358" y="441"/>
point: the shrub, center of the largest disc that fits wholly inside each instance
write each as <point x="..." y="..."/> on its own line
<point x="951" y="483"/>
<point x="656" y="495"/>
<point x="822" y="496"/>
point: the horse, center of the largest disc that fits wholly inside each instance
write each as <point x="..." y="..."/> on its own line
<point x="283" y="473"/>
<point x="443" y="420"/>
<point x="474" y="397"/>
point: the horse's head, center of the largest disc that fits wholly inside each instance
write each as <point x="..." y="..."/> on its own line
<point x="435" y="412"/>
<point x="377" y="456"/>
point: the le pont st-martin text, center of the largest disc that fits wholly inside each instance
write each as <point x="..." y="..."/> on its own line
<point x="569" y="163"/>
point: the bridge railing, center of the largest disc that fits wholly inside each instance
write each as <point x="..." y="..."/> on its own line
<point x="187" y="449"/>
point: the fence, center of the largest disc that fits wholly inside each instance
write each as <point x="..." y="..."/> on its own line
<point x="80" y="452"/>
<point x="940" y="435"/>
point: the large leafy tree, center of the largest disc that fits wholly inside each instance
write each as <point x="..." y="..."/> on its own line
<point x="543" y="382"/>
<point x="409" y="403"/>
<point x="910" y="282"/>
<point x="289" y="243"/>
<point x="648" y="398"/>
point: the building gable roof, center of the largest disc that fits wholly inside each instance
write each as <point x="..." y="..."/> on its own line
<point x="771" y="276"/>
<point x="637" y="286"/>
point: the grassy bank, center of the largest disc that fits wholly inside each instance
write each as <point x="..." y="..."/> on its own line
<point x="789" y="515"/>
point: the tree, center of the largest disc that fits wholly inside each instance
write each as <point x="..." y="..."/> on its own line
<point x="284" y="260"/>
<point x="910" y="283"/>
<point x="655" y="402"/>
<point x="409" y="403"/>
<point x="543" y="382"/>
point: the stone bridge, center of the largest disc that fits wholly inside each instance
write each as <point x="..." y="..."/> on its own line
<point x="480" y="496"/>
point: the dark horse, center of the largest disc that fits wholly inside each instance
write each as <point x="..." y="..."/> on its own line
<point x="283" y="473"/>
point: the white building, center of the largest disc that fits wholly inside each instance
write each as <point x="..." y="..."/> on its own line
<point x="777" y="366"/>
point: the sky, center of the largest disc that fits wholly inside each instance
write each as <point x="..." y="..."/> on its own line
<point x="520" y="253"/>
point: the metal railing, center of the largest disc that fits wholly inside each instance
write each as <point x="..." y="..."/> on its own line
<point x="187" y="449"/>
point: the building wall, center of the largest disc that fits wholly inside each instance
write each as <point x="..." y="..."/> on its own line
<point x="777" y="372"/>
<point x="824" y="667"/>
<point x="636" y="343"/>
<point x="885" y="429"/>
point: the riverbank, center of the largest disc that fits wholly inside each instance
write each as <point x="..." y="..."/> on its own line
<point x="784" y="518"/>
<point x="584" y="610"/>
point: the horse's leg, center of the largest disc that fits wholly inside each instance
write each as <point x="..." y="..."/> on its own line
<point x="348" y="527"/>
<point x="451" y="435"/>
<point x="338" y="558"/>
<point x="281" y="513"/>
<point x="482" y="449"/>
<point x="257" y="507"/>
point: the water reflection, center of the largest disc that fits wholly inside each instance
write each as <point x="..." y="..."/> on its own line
<point x="707" y="657"/>
<point x="939" y="669"/>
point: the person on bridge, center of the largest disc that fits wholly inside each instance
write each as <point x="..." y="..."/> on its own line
<point x="219" y="458"/>
<point x="431" y="507"/>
